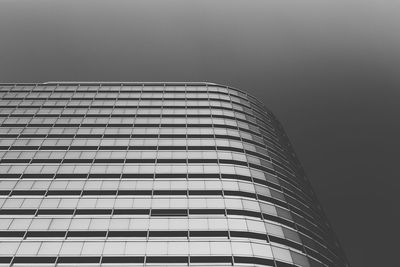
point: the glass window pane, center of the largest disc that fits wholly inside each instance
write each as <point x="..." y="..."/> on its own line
<point x="156" y="248"/>
<point x="40" y="224"/>
<point x="114" y="248"/>
<point x="71" y="248"/>
<point x="135" y="248"/>
<point x="50" y="248"/>
<point x="200" y="248"/>
<point x="28" y="248"/>
<point x="92" y="248"/>
<point x="220" y="248"/>
<point x="8" y="248"/>
<point x="178" y="248"/>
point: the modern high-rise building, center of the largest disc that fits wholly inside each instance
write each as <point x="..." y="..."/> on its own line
<point x="152" y="173"/>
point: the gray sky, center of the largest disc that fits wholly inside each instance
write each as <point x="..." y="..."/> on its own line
<point x="329" y="70"/>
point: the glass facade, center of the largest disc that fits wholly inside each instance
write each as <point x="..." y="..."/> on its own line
<point x="152" y="173"/>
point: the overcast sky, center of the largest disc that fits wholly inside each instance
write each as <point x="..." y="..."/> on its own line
<point x="329" y="70"/>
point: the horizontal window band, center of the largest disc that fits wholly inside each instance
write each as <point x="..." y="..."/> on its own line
<point x="119" y="95"/>
<point x="110" y="125"/>
<point x="147" y="192"/>
<point x="115" y="114"/>
<point x="117" y="175"/>
<point x="134" y="192"/>
<point x="150" y="212"/>
<point x="254" y="107"/>
<point x="144" y="234"/>
<point x="260" y="115"/>
<point x="166" y="93"/>
<point x="121" y="148"/>
<point x="253" y="112"/>
<point x="121" y="234"/>
<point x="134" y="176"/>
<point x="163" y="193"/>
<point x="97" y="88"/>
<point x="253" y="120"/>
<point x="258" y="135"/>
<point x="137" y="125"/>
<point x="144" y="260"/>
<point x="127" y="160"/>
<point x="132" y="147"/>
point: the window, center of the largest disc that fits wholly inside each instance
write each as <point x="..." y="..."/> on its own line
<point x="87" y="203"/>
<point x="281" y="254"/>
<point x="123" y="203"/>
<point x="59" y="224"/>
<point x="135" y="248"/>
<point x="8" y="248"/>
<point x="50" y="203"/>
<point x="79" y="224"/>
<point x="49" y="248"/>
<point x="71" y="248"/>
<point x="105" y="203"/>
<point x="4" y="223"/>
<point x="40" y="224"/>
<point x="114" y="248"/>
<point x="261" y="250"/>
<point x="20" y="224"/>
<point x="157" y="248"/>
<point x="178" y="224"/>
<point x="199" y="248"/>
<point x="99" y="224"/>
<point x="119" y="224"/>
<point x="178" y="248"/>
<point x="274" y="229"/>
<point x="139" y="224"/>
<point x="217" y="224"/>
<point x="198" y="224"/>
<point x="220" y="248"/>
<point x="237" y="224"/>
<point x="241" y="248"/>
<point x="28" y="248"/>
<point x="158" y="224"/>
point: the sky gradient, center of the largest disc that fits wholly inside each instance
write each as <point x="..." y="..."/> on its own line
<point x="329" y="70"/>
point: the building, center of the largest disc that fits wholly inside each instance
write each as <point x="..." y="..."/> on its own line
<point x="155" y="173"/>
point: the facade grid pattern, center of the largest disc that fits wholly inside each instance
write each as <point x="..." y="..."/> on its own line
<point x="152" y="173"/>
